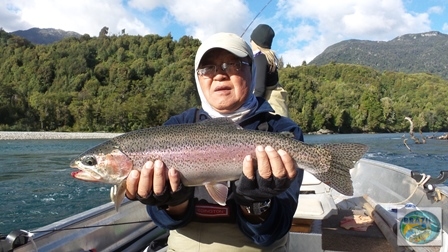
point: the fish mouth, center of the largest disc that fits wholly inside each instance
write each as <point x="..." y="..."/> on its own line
<point x="75" y="173"/>
<point x="84" y="174"/>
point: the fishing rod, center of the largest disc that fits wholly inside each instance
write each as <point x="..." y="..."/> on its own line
<point x="89" y="226"/>
<point x="256" y="17"/>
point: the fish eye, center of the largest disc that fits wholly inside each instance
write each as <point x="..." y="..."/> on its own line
<point x="89" y="160"/>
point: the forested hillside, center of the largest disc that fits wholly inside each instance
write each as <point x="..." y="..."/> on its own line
<point x="352" y="98"/>
<point x="123" y="83"/>
<point x="410" y="53"/>
<point x="116" y="84"/>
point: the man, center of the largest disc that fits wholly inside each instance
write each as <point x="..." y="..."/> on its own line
<point x="261" y="204"/>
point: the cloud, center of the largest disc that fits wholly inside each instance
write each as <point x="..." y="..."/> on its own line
<point x="82" y="16"/>
<point x="304" y="28"/>
<point x="321" y="25"/>
<point x="445" y="27"/>
<point x="436" y="10"/>
<point x="146" y="5"/>
<point x="199" y="18"/>
<point x="10" y="17"/>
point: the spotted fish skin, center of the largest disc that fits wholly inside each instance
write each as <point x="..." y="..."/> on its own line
<point x="212" y="151"/>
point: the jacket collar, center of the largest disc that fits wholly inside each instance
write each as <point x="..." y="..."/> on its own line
<point x="263" y="107"/>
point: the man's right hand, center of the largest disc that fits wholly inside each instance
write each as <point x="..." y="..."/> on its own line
<point x="158" y="186"/>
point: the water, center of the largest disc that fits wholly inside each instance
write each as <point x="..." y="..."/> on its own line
<point x="37" y="189"/>
<point x="36" y="186"/>
<point x="429" y="158"/>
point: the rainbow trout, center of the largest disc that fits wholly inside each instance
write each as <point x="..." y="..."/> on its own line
<point x="209" y="152"/>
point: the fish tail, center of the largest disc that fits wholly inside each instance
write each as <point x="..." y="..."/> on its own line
<point x="343" y="157"/>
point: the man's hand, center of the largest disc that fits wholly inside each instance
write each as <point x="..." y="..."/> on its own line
<point x="270" y="163"/>
<point x="274" y="172"/>
<point x="158" y="186"/>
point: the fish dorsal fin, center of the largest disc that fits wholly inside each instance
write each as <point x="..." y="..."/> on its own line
<point x="224" y="122"/>
<point x="287" y="134"/>
<point x="218" y="192"/>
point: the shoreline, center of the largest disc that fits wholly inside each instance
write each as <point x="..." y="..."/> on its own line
<point x="41" y="135"/>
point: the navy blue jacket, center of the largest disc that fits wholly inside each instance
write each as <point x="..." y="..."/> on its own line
<point x="283" y="206"/>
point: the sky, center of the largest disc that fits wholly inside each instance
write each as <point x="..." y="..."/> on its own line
<point x="303" y="28"/>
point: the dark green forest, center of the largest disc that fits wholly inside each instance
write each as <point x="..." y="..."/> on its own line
<point x="122" y="83"/>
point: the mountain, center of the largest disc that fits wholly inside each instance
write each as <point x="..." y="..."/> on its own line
<point x="44" y="36"/>
<point x="410" y="53"/>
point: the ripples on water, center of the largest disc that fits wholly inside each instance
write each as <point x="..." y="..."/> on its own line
<point x="37" y="188"/>
<point x="429" y="158"/>
<point x="36" y="185"/>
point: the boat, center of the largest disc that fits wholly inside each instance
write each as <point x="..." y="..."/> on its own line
<point x="386" y="195"/>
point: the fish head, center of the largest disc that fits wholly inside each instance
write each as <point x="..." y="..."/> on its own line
<point x="104" y="163"/>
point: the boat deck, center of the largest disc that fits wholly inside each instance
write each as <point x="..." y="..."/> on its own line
<point x="388" y="190"/>
<point x="328" y="235"/>
<point x="336" y="238"/>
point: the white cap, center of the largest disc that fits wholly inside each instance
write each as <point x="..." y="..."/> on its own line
<point x="227" y="41"/>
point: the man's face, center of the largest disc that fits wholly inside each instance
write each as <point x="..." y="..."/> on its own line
<point x="225" y="90"/>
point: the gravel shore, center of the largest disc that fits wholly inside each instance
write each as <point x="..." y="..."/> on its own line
<point x="21" y="135"/>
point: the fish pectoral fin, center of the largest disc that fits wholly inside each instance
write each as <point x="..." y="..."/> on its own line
<point x="117" y="194"/>
<point x="218" y="192"/>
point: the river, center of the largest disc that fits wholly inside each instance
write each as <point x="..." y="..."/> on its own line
<point x="37" y="188"/>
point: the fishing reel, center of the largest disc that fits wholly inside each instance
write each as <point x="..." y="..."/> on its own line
<point x="13" y="240"/>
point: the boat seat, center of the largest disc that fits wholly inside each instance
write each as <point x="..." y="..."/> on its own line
<point x="315" y="200"/>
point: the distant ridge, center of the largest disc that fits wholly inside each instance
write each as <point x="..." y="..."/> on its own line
<point x="409" y="53"/>
<point x="45" y="36"/>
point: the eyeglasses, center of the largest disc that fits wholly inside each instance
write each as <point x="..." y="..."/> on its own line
<point x="229" y="68"/>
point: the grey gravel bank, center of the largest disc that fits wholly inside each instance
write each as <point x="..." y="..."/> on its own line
<point x="23" y="135"/>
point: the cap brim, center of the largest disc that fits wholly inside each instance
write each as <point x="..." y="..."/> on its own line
<point x="227" y="41"/>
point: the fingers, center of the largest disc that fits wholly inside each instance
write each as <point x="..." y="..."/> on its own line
<point x="132" y="184"/>
<point x="159" y="177"/>
<point x="154" y="177"/>
<point x="289" y="164"/>
<point x="151" y="179"/>
<point x="276" y="163"/>
<point x="145" y="183"/>
<point x="263" y="164"/>
<point x="248" y="167"/>
<point x="174" y="178"/>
